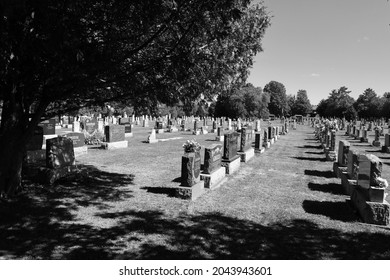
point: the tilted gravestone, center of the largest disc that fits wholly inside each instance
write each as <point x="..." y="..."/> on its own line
<point x="59" y="152"/>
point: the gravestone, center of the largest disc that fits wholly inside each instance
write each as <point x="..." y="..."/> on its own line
<point x="114" y="133"/>
<point x="386" y="147"/>
<point x="343" y="153"/>
<point x="352" y="164"/>
<point x="77" y="138"/>
<point x="190" y="169"/>
<point x="230" y="146"/>
<point x="246" y="139"/>
<point x="91" y="125"/>
<point x="258" y="142"/>
<point x="59" y="152"/>
<point x="49" y="126"/>
<point x="376" y="142"/>
<point x="266" y="142"/>
<point x="364" y="138"/>
<point x="370" y="169"/>
<point x="124" y="121"/>
<point x="212" y="158"/>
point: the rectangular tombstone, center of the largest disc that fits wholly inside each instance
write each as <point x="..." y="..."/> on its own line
<point x="258" y="141"/>
<point x="265" y="137"/>
<point x="230" y="146"/>
<point x="212" y="158"/>
<point x="91" y="125"/>
<point x="77" y="138"/>
<point x="124" y="121"/>
<point x="332" y="146"/>
<point x="59" y="152"/>
<point x="370" y="168"/>
<point x="36" y="140"/>
<point x="114" y="133"/>
<point x="387" y="140"/>
<point x="342" y="157"/>
<point x="352" y="164"/>
<point x="49" y="126"/>
<point x="246" y="139"/>
<point x="270" y="133"/>
<point x="127" y="128"/>
<point x="219" y="131"/>
<point x="190" y="169"/>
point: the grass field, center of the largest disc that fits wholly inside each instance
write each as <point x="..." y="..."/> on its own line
<point x="283" y="204"/>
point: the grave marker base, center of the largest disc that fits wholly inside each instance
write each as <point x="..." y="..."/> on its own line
<point x="385" y="149"/>
<point x="49" y="175"/>
<point x="247" y="155"/>
<point x="129" y="134"/>
<point x="260" y="151"/>
<point x="348" y="184"/>
<point x="160" y="131"/>
<point x="79" y="151"/>
<point x="232" y="165"/>
<point x="370" y="212"/>
<point x="337" y="170"/>
<point x="215" y="179"/>
<point x="191" y="193"/>
<point x="115" y="145"/>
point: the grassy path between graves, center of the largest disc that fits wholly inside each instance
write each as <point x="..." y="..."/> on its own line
<point x="283" y="204"/>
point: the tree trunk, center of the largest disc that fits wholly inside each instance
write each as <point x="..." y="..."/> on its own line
<point x="12" y="149"/>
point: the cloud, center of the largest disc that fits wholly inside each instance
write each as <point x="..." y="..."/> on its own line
<point x="365" y="38"/>
<point x="314" y="75"/>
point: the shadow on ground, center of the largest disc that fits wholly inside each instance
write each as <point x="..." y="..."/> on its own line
<point x="311" y="159"/>
<point x="318" y="173"/>
<point x="39" y="225"/>
<point x="314" y="153"/>
<point x="310" y="147"/>
<point x="335" y="210"/>
<point x="327" y="188"/>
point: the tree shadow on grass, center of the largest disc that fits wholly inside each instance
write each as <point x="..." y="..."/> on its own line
<point x="318" y="173"/>
<point x="328" y="188"/>
<point x="311" y="159"/>
<point x="334" y="210"/>
<point x="41" y="230"/>
<point x="373" y="151"/>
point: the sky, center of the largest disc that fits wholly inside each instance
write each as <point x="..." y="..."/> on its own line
<point x="321" y="45"/>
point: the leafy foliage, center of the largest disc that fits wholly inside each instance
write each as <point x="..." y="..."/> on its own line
<point x="278" y="99"/>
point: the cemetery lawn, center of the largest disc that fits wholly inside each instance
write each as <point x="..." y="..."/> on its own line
<point x="283" y="204"/>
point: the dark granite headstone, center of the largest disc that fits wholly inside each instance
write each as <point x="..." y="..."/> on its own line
<point x="230" y="146"/>
<point x="342" y="157"/>
<point x="270" y="133"/>
<point x="114" y="133"/>
<point x="128" y="128"/>
<point x="77" y="138"/>
<point x="370" y="168"/>
<point x="246" y="139"/>
<point x="258" y="141"/>
<point x="159" y="125"/>
<point x="190" y="169"/>
<point x="36" y="140"/>
<point x="59" y="152"/>
<point x="212" y="158"/>
<point x="265" y="142"/>
<point x="352" y="164"/>
<point x="49" y="126"/>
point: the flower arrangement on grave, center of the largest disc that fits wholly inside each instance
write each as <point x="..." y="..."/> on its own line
<point x="94" y="138"/>
<point x="191" y="146"/>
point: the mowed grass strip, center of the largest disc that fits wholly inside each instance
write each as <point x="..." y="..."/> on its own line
<point x="283" y="204"/>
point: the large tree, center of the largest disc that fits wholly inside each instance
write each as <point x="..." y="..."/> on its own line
<point x="302" y="104"/>
<point x="58" y="56"/>
<point x="368" y="104"/>
<point x="338" y="104"/>
<point x="278" y="99"/>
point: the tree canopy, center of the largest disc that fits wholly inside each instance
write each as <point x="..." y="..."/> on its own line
<point x="278" y="99"/>
<point x="59" y="56"/>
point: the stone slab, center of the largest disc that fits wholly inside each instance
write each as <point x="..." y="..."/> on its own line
<point x="260" y="151"/>
<point x="191" y="193"/>
<point x="115" y="145"/>
<point x="347" y="184"/>
<point x="370" y="212"/>
<point x="247" y="155"/>
<point x="35" y="156"/>
<point x="231" y="166"/>
<point x="272" y="141"/>
<point x="129" y="134"/>
<point x="215" y="179"/>
<point x="50" y="176"/>
<point x="79" y="151"/>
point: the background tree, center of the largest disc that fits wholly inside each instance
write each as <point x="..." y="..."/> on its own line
<point x="338" y="104"/>
<point x="59" y="56"/>
<point x="368" y="104"/>
<point x="302" y="104"/>
<point x="385" y="101"/>
<point x="278" y="98"/>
